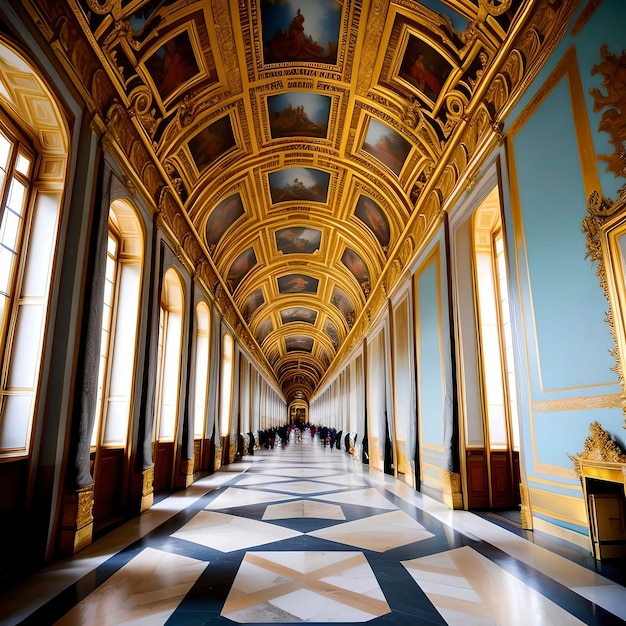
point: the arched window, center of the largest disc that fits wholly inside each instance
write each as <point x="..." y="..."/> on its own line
<point x="201" y="369"/>
<point x="226" y="388"/>
<point x="118" y="342"/>
<point x="170" y="345"/>
<point x="29" y="217"/>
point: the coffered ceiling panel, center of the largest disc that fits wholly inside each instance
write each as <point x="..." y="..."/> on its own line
<point x="307" y="147"/>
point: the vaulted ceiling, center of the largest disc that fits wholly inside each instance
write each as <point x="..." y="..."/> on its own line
<point x="303" y="149"/>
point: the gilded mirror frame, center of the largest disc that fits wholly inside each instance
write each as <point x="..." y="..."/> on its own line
<point x="604" y="226"/>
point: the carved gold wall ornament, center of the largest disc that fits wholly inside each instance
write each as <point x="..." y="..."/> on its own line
<point x="492" y="7"/>
<point x="601" y="214"/>
<point x="599" y="446"/>
<point x="102" y="7"/>
<point x="613" y="71"/>
<point x="147" y="481"/>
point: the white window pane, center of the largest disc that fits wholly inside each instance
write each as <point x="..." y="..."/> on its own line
<point x="112" y="246"/>
<point x="17" y="193"/>
<point x="22" y="164"/>
<point x="116" y="422"/>
<point x="497" y="426"/>
<point x="108" y="292"/>
<point x="41" y="246"/>
<point x="10" y="229"/>
<point x="25" y="357"/>
<point x="15" y="424"/>
<point x="6" y="263"/>
<point x="110" y="270"/>
<point x="5" y="147"/>
<point x="168" y="422"/>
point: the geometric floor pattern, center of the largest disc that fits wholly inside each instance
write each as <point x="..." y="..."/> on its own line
<point x="305" y="587"/>
<point x="307" y="534"/>
<point x="467" y="588"/>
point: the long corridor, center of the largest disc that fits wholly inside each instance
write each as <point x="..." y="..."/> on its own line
<point x="306" y="534"/>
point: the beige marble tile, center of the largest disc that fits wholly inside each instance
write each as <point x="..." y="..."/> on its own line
<point x="362" y="497"/>
<point x="348" y="480"/>
<point x="147" y="590"/>
<point x="233" y="497"/>
<point x="305" y="472"/>
<point x="289" y="587"/>
<point x="228" y="533"/>
<point x="303" y="508"/>
<point x="260" y="479"/>
<point x="467" y="588"/>
<point x="378" y="533"/>
<point x="303" y="487"/>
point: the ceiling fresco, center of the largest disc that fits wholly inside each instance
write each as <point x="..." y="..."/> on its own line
<point x="300" y="152"/>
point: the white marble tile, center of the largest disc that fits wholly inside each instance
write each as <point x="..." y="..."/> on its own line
<point x="234" y="497"/>
<point x="305" y="487"/>
<point x="146" y="590"/>
<point x="379" y="533"/>
<point x="348" y="480"/>
<point x="228" y="533"/>
<point x="467" y="588"/>
<point x="305" y="586"/>
<point x="259" y="479"/>
<point x="304" y="472"/>
<point x="362" y="497"/>
<point x="303" y="508"/>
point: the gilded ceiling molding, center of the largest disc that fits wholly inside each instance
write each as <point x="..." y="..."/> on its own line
<point x="374" y="23"/>
<point x="585" y="15"/>
<point x="226" y="43"/>
<point x="103" y="7"/>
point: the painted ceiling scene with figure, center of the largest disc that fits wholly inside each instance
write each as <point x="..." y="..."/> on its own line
<point x="295" y="31"/>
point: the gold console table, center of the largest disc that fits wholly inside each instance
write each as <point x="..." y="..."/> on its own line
<point x="601" y="468"/>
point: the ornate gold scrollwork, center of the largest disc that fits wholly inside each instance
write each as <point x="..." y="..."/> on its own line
<point x="599" y="446"/>
<point x="613" y="71"/>
<point x="600" y="213"/>
<point x="492" y="7"/>
<point x="103" y="7"/>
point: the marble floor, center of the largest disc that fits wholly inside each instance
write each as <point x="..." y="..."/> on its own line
<point x="306" y="534"/>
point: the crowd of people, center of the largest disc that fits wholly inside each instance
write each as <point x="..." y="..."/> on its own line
<point x="271" y="438"/>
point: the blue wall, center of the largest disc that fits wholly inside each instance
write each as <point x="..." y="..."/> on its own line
<point x="566" y="340"/>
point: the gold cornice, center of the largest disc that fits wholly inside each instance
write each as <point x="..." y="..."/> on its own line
<point x="585" y="15"/>
<point x="587" y="403"/>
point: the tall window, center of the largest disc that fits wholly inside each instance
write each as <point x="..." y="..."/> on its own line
<point x="120" y="315"/>
<point x="226" y="388"/>
<point x="495" y="328"/>
<point x="23" y="293"/>
<point x="170" y="345"/>
<point x="201" y="369"/>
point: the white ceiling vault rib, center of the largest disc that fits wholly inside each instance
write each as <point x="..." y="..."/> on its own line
<point x="299" y="142"/>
